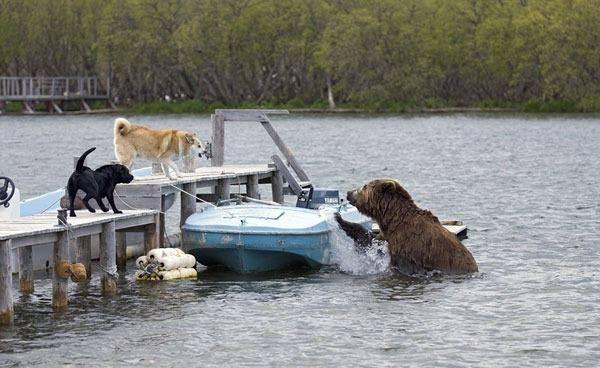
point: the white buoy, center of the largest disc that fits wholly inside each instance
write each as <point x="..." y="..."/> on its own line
<point x="174" y="262"/>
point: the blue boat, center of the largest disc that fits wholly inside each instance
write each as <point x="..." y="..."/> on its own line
<point x="256" y="237"/>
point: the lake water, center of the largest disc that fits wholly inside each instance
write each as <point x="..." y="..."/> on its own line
<point x="526" y="186"/>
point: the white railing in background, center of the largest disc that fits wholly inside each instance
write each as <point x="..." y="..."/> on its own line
<point x="32" y="88"/>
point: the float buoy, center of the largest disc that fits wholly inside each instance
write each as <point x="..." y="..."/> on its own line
<point x="165" y="264"/>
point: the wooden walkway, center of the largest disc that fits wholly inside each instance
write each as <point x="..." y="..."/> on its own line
<point x="153" y="195"/>
<point x="53" y="91"/>
<point x="24" y="233"/>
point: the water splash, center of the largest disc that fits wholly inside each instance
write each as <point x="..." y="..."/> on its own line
<point x="350" y="259"/>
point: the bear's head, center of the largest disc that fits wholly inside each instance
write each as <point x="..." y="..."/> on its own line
<point x="375" y="198"/>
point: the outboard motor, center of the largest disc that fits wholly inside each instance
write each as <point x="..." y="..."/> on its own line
<point x="10" y="199"/>
<point x="314" y="198"/>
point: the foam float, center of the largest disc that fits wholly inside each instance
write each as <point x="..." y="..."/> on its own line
<point x="166" y="264"/>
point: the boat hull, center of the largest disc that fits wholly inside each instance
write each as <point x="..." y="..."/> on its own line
<point x="259" y="238"/>
<point x="248" y="253"/>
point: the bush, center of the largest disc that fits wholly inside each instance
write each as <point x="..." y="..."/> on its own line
<point x="550" y="106"/>
<point x="589" y="104"/>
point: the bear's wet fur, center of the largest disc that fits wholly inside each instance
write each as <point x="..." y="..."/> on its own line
<point x="418" y="243"/>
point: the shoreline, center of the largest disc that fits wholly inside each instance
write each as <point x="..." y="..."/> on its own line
<point x="200" y="107"/>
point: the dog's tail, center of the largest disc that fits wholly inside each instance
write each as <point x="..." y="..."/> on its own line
<point x="122" y="126"/>
<point x="81" y="160"/>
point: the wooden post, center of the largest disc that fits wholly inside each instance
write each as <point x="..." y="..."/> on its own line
<point x="162" y="220"/>
<point x="84" y="253"/>
<point x="26" y="270"/>
<point x="218" y="140"/>
<point x="252" y="187"/>
<point x="188" y="203"/>
<point x="7" y="315"/>
<point x="121" y="239"/>
<point x="59" y="284"/>
<point x="151" y="235"/>
<point x="277" y="186"/>
<point x="223" y="189"/>
<point x="108" y="258"/>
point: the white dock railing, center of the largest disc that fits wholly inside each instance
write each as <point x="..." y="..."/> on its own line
<point x="56" y="88"/>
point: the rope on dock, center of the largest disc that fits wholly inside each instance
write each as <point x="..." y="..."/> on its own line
<point x="52" y="205"/>
<point x="191" y="195"/>
<point x="134" y="208"/>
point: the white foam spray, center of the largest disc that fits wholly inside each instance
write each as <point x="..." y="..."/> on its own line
<point x="372" y="260"/>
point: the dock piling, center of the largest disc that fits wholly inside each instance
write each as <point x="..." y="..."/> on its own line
<point x="26" y="269"/>
<point x="151" y="233"/>
<point x="84" y="253"/>
<point x="108" y="258"/>
<point x="277" y="186"/>
<point x="223" y="190"/>
<point x="188" y="203"/>
<point x="60" y="284"/>
<point x="162" y="222"/>
<point x="252" y="186"/>
<point x="121" y="239"/>
<point x="6" y="303"/>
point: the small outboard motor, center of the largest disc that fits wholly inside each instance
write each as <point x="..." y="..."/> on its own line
<point x="314" y="198"/>
<point x="9" y="199"/>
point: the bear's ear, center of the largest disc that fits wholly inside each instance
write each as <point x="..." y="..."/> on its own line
<point x="389" y="186"/>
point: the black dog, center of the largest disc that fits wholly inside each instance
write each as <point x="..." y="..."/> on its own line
<point x="96" y="184"/>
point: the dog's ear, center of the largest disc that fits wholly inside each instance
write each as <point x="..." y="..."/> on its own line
<point x="189" y="137"/>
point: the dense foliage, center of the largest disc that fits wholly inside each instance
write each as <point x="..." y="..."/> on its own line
<point x="375" y="53"/>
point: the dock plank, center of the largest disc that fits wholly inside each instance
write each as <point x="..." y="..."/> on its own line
<point x="203" y="174"/>
<point x="48" y="223"/>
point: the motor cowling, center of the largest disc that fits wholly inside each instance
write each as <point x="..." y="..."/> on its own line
<point x="315" y="198"/>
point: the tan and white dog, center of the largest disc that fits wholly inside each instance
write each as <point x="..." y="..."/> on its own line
<point x="158" y="145"/>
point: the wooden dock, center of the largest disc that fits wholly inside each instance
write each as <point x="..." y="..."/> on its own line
<point x="53" y="92"/>
<point x="157" y="192"/>
<point x="24" y="233"/>
<point x="148" y="198"/>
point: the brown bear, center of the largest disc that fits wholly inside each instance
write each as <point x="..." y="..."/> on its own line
<point x="417" y="242"/>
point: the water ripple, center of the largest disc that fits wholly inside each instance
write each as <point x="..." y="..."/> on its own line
<point x="526" y="186"/>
